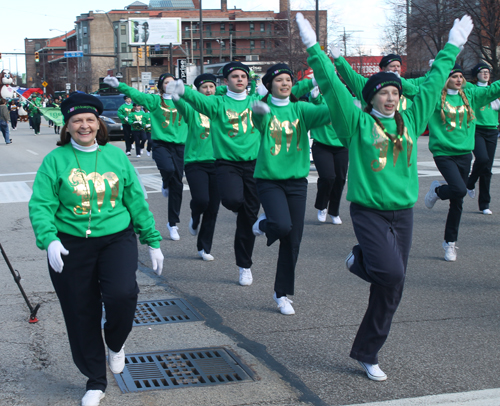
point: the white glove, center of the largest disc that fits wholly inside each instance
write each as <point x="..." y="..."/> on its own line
<point x="148" y="125"/>
<point x="175" y="97"/>
<point x="315" y="92"/>
<point x="111" y="80"/>
<point x="431" y="61"/>
<point x="137" y="122"/>
<point x="357" y="103"/>
<point x="126" y="119"/>
<point x="156" y="259"/>
<point x="262" y="90"/>
<point x="175" y="87"/>
<point x="306" y="31"/>
<point x="460" y="31"/>
<point x="260" y="108"/>
<point x="334" y="51"/>
<point x="54" y="251"/>
<point x="495" y="104"/>
<point x="314" y="81"/>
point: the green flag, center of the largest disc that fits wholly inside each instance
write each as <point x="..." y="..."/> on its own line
<point x="54" y="114"/>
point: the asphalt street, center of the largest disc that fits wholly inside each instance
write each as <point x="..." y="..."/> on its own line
<point x="444" y="346"/>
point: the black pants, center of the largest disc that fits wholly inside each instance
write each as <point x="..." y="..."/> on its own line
<point x="97" y="270"/>
<point x="127" y="135"/>
<point x="238" y="193"/>
<point x="381" y="258"/>
<point x="137" y="137"/>
<point x="455" y="170"/>
<point x="205" y="201"/>
<point x="484" y="153"/>
<point x="331" y="164"/>
<point x="169" y="158"/>
<point x="36" y="121"/>
<point x="13" y="120"/>
<point x="146" y="136"/>
<point x="284" y="202"/>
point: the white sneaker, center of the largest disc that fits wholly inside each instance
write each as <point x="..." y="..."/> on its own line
<point x="128" y="153"/>
<point x="174" y="234"/>
<point x="246" y="278"/>
<point x="133" y="146"/>
<point x="471" y="193"/>
<point x="431" y="197"/>
<point x="164" y="192"/>
<point x="205" y="256"/>
<point x="116" y="360"/>
<point x="193" y="231"/>
<point x="450" y="251"/>
<point x="349" y="261"/>
<point x="487" y="211"/>
<point x="373" y="371"/>
<point x="336" y="219"/>
<point x="148" y="153"/>
<point x="92" y="397"/>
<point x="284" y="305"/>
<point x="322" y="215"/>
<point x="255" y="228"/>
<point x="137" y="156"/>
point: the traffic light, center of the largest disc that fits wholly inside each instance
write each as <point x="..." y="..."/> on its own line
<point x="147" y="52"/>
<point x="37" y="57"/>
<point x="139" y="52"/>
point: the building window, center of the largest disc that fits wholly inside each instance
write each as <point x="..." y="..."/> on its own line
<point x="123" y="29"/>
<point x="252" y="44"/>
<point x="262" y="44"/>
<point x="85" y="49"/>
<point x="124" y="48"/>
<point x="223" y="44"/>
<point x="222" y="27"/>
<point x="84" y="31"/>
<point x="252" y="26"/>
<point x="262" y="27"/>
<point x="194" y="44"/>
<point x="231" y="27"/>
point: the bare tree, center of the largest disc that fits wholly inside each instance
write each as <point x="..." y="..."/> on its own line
<point x="394" y="33"/>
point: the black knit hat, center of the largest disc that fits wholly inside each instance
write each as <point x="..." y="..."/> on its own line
<point x="232" y="66"/>
<point x="78" y="103"/>
<point x="379" y="81"/>
<point x="456" y="69"/>
<point x="162" y="78"/>
<point x="478" y="68"/>
<point x="386" y="60"/>
<point x="204" y="78"/>
<point x="274" y="71"/>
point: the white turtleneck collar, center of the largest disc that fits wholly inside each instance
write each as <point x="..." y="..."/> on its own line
<point x="280" y="102"/>
<point x="237" y="96"/>
<point x="482" y="84"/>
<point x="167" y="96"/>
<point x="378" y="114"/>
<point x="79" y="147"/>
<point x="451" y="92"/>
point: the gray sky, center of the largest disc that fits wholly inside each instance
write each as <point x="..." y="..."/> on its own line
<point x="34" y="18"/>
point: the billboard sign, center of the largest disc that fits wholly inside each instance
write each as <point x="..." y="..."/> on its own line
<point x="160" y="31"/>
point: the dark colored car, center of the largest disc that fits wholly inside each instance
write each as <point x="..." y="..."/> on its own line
<point x="109" y="115"/>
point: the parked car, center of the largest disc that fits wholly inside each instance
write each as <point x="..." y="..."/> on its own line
<point x="109" y="115"/>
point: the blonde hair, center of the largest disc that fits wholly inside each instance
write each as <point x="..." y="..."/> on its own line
<point x="468" y="108"/>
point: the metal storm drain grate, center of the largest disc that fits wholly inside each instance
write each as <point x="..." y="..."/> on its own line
<point x="164" y="311"/>
<point x="180" y="369"/>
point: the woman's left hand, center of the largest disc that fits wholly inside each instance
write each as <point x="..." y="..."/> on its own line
<point x="157" y="259"/>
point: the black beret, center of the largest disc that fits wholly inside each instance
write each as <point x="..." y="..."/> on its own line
<point x="386" y="60"/>
<point x="78" y="103"/>
<point x="232" y="66"/>
<point x="162" y="78"/>
<point x="379" y="81"/>
<point x="456" y="69"/>
<point x="478" y="68"/>
<point x="274" y="71"/>
<point x="204" y="78"/>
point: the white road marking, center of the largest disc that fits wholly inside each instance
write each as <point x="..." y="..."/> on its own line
<point x="18" y="174"/>
<point x="14" y="192"/>
<point x="32" y="152"/>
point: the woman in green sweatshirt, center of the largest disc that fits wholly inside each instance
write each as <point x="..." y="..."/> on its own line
<point x="485" y="144"/>
<point x="383" y="178"/>
<point x="136" y="120"/>
<point x="281" y="171"/>
<point x="87" y="206"/>
<point x="169" y="132"/>
<point x="451" y="141"/>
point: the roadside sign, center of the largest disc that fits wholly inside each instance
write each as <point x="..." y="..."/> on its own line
<point x="146" y="77"/>
<point x="76" y="54"/>
<point x="182" y="67"/>
<point x="68" y="86"/>
<point x="45" y="84"/>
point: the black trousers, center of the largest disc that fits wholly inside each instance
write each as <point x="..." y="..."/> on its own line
<point x="127" y="135"/>
<point x="238" y="193"/>
<point x="97" y="270"/>
<point x="36" y="121"/>
<point x="484" y="154"/>
<point x="169" y="158"/>
<point x="146" y="136"/>
<point x="137" y="137"/>
<point x="381" y="259"/>
<point x="331" y="164"/>
<point x="455" y="170"/>
<point x="13" y="120"/>
<point x="205" y="201"/>
<point x="284" y="202"/>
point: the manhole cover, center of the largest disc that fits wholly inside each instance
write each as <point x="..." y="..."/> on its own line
<point x="181" y="368"/>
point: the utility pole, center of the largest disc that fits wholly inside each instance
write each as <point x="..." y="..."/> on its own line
<point x="201" y="39"/>
<point x="345" y="37"/>
<point x="317" y="21"/>
<point x="138" y="69"/>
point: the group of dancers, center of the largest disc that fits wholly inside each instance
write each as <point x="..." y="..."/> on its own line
<point x="245" y="150"/>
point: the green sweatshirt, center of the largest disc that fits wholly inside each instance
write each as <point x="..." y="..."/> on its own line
<point x="357" y="82"/>
<point x="486" y="117"/>
<point x="123" y="112"/>
<point x="147" y="121"/>
<point x="198" y="143"/>
<point x="456" y="137"/>
<point x="284" y="148"/>
<point x="61" y="195"/>
<point x="135" y="116"/>
<point x="380" y="176"/>
<point x="325" y="134"/>
<point x="167" y="124"/>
